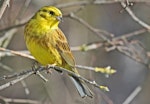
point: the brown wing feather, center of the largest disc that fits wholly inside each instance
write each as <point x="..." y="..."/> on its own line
<point x="64" y="49"/>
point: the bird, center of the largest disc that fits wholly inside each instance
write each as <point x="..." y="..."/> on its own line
<point x="49" y="46"/>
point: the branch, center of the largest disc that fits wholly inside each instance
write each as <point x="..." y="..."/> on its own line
<point x="27" y="73"/>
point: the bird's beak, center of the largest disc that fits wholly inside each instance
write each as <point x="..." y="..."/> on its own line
<point x="59" y="18"/>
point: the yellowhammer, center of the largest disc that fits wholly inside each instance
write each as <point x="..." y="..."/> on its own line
<point x="48" y="44"/>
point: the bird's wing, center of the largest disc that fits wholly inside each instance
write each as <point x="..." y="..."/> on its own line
<point x="63" y="48"/>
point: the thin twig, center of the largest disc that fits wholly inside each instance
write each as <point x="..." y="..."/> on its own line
<point x="26" y="89"/>
<point x="70" y="4"/>
<point x="16" y="53"/>
<point x="132" y="34"/>
<point x="12" y="100"/>
<point x="41" y="76"/>
<point x="6" y="38"/>
<point x="22" y="10"/>
<point x="87" y="47"/>
<point x="116" y="1"/>
<point x="4" y="6"/>
<point x="5" y="67"/>
<point x="132" y="95"/>
<point x="12" y="27"/>
<point x="134" y="17"/>
<point x="15" y="81"/>
<point x="96" y="31"/>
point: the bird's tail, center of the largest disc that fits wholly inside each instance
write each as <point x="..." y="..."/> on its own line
<point x="81" y="87"/>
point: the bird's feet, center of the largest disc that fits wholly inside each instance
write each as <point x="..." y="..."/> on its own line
<point x="49" y="67"/>
<point x="35" y="66"/>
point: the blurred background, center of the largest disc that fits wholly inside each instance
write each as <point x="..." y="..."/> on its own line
<point x="124" y="45"/>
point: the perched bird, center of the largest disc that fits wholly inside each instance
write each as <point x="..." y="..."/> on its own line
<point x="48" y="44"/>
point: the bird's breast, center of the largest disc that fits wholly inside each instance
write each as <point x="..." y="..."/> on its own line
<point x="43" y="49"/>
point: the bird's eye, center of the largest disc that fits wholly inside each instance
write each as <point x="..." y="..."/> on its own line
<point x="51" y="12"/>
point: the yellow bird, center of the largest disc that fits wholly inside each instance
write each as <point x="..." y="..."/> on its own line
<point x="48" y="44"/>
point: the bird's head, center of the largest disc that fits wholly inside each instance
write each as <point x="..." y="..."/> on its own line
<point x="50" y="14"/>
